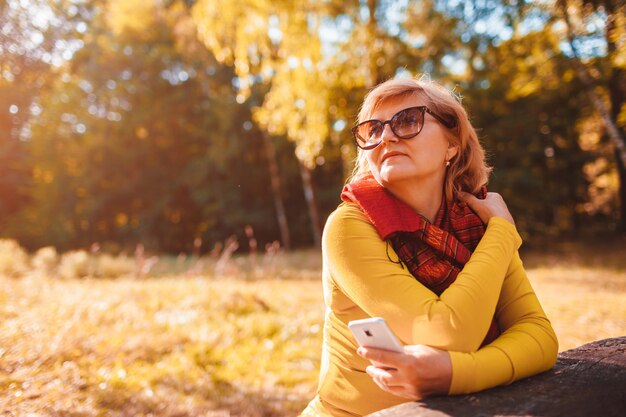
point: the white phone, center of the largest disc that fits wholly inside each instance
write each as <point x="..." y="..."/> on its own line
<point x="374" y="332"/>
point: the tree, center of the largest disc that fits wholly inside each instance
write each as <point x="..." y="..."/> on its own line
<point x="137" y="140"/>
<point x="533" y="74"/>
<point x="524" y="119"/>
<point x="615" y="84"/>
<point x="28" y="48"/>
<point x="277" y="43"/>
<point x="286" y="46"/>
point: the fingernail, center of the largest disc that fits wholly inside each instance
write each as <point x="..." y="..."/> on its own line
<point x="361" y="351"/>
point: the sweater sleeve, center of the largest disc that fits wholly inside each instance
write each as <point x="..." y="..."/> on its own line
<point x="358" y="262"/>
<point x="527" y="346"/>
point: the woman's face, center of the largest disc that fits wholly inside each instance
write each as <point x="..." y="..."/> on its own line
<point x="415" y="160"/>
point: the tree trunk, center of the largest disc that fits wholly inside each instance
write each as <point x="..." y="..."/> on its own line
<point x="617" y="95"/>
<point x="373" y="52"/>
<point x="276" y="191"/>
<point x="311" y="202"/>
<point x="611" y="127"/>
<point x="621" y="171"/>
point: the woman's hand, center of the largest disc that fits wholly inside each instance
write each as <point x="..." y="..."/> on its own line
<point x="492" y="206"/>
<point x="419" y="372"/>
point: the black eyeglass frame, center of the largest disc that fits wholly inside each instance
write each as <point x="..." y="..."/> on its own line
<point x="422" y="109"/>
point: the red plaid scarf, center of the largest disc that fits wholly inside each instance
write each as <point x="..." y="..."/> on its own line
<point x="435" y="252"/>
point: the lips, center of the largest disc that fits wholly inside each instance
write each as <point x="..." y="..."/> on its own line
<point x="389" y="155"/>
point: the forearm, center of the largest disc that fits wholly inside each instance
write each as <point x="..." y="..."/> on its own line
<point x="520" y="352"/>
<point x="527" y="346"/>
<point x="457" y="320"/>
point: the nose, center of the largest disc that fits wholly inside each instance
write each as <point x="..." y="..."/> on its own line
<point x="388" y="135"/>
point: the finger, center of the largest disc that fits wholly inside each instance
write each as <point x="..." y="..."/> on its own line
<point x="387" y="384"/>
<point x="379" y="373"/>
<point x="460" y="198"/>
<point x="468" y="198"/>
<point x="386" y="357"/>
<point x="384" y="377"/>
<point x="379" y="376"/>
<point x="476" y="205"/>
<point x="398" y="390"/>
<point x="382" y="385"/>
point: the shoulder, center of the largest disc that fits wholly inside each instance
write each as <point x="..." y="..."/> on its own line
<point x="347" y="220"/>
<point x="349" y="234"/>
<point x="346" y="213"/>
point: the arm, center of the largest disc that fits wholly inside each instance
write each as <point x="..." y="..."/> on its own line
<point x="457" y="320"/>
<point x="527" y="346"/>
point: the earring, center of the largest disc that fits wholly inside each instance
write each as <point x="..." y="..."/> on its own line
<point x="447" y="163"/>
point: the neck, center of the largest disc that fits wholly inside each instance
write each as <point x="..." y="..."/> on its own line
<point x="424" y="198"/>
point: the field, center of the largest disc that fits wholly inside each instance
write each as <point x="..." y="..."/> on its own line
<point x="244" y="344"/>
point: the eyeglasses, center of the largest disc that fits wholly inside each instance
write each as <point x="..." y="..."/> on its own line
<point x="405" y="124"/>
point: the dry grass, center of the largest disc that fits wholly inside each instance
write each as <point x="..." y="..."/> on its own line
<point x="582" y="287"/>
<point x="199" y="346"/>
<point x="169" y="346"/>
<point x="582" y="304"/>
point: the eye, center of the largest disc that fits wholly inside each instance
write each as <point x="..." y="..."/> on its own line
<point x="373" y="130"/>
<point x="407" y="120"/>
<point x="407" y="117"/>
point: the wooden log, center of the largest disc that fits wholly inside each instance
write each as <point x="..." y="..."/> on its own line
<point x="587" y="381"/>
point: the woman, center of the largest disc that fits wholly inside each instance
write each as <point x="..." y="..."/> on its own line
<point x="410" y="245"/>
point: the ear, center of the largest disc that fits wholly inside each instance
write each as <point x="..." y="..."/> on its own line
<point x="451" y="152"/>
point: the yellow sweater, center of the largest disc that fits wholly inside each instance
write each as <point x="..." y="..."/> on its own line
<point x="360" y="281"/>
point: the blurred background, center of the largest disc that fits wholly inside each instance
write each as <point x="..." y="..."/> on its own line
<point x="166" y="168"/>
<point x="162" y="122"/>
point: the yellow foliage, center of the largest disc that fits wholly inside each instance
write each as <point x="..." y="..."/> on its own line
<point x="528" y="62"/>
<point x="619" y="38"/>
<point x="296" y="106"/>
<point x="131" y="15"/>
<point x="236" y="32"/>
<point x="274" y="39"/>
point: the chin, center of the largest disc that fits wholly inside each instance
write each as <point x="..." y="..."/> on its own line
<point x="390" y="177"/>
<point x="397" y="176"/>
<point x="391" y="174"/>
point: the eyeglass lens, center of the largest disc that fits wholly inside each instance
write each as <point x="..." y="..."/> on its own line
<point x="404" y="124"/>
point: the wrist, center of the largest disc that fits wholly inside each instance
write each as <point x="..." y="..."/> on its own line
<point x="446" y="376"/>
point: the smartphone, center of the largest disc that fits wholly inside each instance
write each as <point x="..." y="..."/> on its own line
<point x="374" y="332"/>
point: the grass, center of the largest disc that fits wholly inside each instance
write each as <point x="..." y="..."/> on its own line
<point x="245" y="345"/>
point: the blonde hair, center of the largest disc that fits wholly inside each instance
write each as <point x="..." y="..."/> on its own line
<point x="468" y="170"/>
